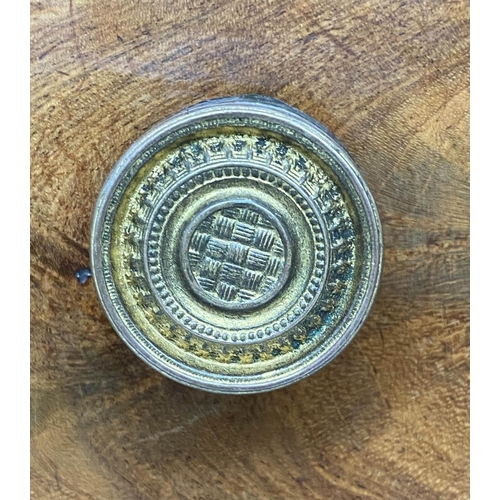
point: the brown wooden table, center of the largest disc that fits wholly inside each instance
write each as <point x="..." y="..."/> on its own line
<point x="389" y="417"/>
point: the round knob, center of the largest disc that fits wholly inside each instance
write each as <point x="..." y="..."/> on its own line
<point x="235" y="246"/>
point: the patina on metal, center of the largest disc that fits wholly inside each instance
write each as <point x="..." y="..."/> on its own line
<point x="235" y="247"/>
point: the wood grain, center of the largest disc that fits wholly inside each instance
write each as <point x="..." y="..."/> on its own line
<point x="389" y="417"/>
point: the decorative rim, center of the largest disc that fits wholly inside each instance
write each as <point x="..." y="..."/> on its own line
<point x="244" y="108"/>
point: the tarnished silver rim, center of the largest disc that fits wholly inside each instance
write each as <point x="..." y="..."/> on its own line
<point x="279" y="112"/>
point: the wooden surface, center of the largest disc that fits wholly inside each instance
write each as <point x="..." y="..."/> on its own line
<point x="388" y="418"/>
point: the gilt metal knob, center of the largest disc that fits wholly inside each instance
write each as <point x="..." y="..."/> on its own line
<point x="235" y="247"/>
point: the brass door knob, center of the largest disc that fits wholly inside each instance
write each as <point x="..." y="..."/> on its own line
<point x="235" y="246"/>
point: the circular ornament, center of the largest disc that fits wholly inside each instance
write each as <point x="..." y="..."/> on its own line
<point x="235" y="247"/>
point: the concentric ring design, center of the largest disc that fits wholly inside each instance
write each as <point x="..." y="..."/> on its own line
<point x="235" y="247"/>
<point x="182" y="204"/>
